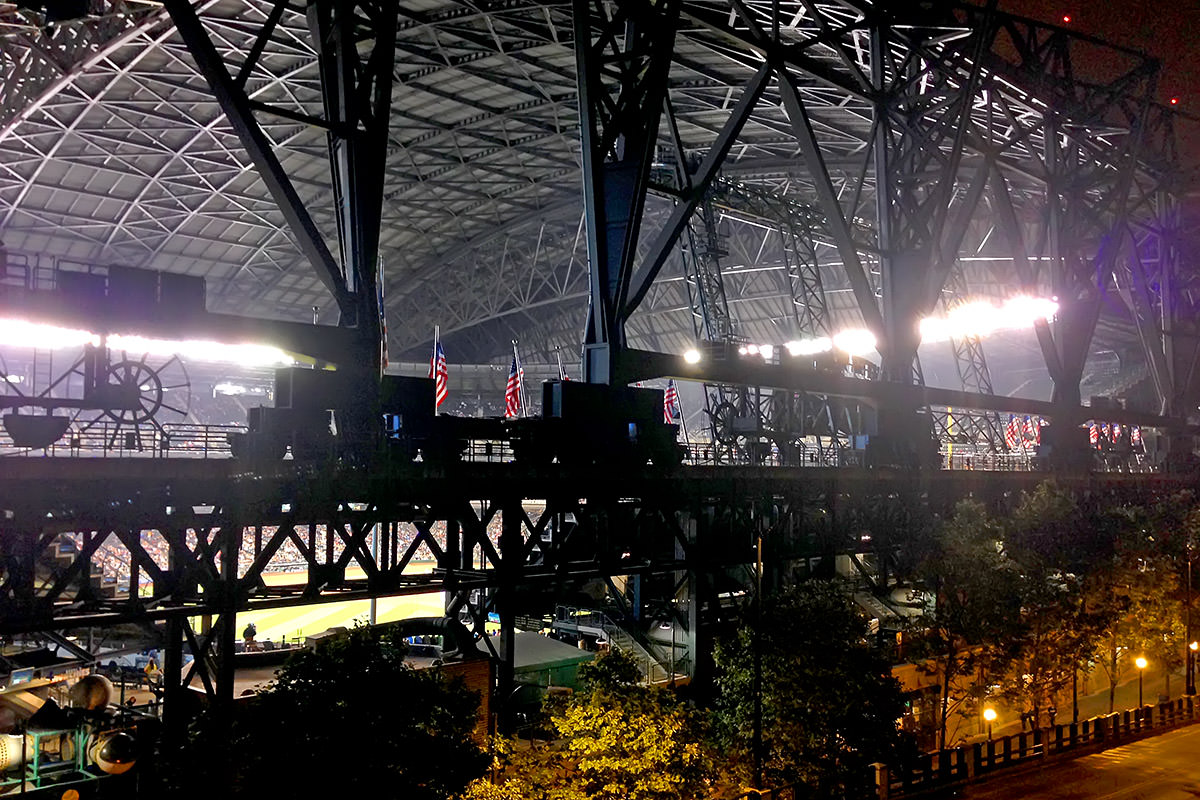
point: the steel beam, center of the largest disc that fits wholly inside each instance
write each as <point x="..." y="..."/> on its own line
<point x="233" y="101"/>
<point x="357" y="92"/>
<point x="660" y="249"/>
<point x="835" y="217"/>
<point x="619" y="131"/>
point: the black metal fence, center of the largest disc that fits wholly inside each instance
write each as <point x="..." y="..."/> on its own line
<point x="970" y="762"/>
<point x="932" y="772"/>
<point x="112" y="440"/>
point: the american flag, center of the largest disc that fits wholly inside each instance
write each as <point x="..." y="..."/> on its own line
<point x="1093" y="434"/>
<point x="1116" y="431"/>
<point x="1135" y="436"/>
<point x="512" y="391"/>
<point x="1030" y="432"/>
<point x="439" y="372"/>
<point x="671" y="402"/>
<point x="1012" y="433"/>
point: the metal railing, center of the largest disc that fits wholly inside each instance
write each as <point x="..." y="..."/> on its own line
<point x="107" y="439"/>
<point x="933" y="773"/>
<point x="577" y="620"/>
<point x="969" y="762"/>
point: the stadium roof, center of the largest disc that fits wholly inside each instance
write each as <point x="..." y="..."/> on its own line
<point x="113" y="150"/>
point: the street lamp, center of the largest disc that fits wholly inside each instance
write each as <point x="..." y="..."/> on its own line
<point x="989" y="714"/>
<point x="1140" y="662"/>
<point x="1191" y="666"/>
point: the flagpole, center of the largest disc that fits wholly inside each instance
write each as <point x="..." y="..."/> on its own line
<point x="433" y="364"/>
<point x="682" y="416"/>
<point x="383" y="347"/>
<point x="562" y="373"/>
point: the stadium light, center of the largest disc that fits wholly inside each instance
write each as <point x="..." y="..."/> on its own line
<point x="691" y="356"/>
<point x="855" y="341"/>
<point x="20" y="333"/>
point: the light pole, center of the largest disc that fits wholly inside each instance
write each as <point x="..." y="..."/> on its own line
<point x="1190" y="655"/>
<point x="989" y="714"/>
<point x="1191" y="666"/>
<point x="1140" y="662"/>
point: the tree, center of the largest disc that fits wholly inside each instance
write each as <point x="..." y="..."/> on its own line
<point x="829" y="703"/>
<point x="1057" y="545"/>
<point x="619" y="741"/>
<point x="973" y="614"/>
<point x="350" y="718"/>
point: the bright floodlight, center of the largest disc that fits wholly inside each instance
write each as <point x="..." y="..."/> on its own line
<point x="855" y="341"/>
<point x="989" y="714"/>
<point x="1140" y="662"/>
<point x="692" y="356"/>
<point x="1194" y="646"/>
<point x="766" y="350"/>
<point x="18" y="333"/>
<point x="809" y="347"/>
<point x="980" y="318"/>
<point x="246" y="355"/>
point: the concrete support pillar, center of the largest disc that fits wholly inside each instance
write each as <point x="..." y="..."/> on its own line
<point x="883" y="780"/>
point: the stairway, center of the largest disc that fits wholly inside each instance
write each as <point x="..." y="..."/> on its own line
<point x="596" y="623"/>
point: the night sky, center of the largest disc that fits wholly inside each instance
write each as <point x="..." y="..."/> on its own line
<point x="1167" y="30"/>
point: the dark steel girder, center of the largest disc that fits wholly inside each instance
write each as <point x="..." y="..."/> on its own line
<point x="358" y="96"/>
<point x="234" y="102"/>
<point x="663" y="244"/>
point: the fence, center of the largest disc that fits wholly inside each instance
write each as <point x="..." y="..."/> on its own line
<point x="934" y="772"/>
<point x="972" y="761"/>
<point x="107" y="439"/>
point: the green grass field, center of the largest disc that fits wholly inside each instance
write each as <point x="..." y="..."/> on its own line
<point x="300" y="621"/>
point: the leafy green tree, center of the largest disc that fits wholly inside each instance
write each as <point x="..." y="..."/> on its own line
<point x="973" y="595"/>
<point x="617" y="741"/>
<point x="829" y="702"/>
<point x="1140" y="590"/>
<point x="1057" y="545"/>
<point x="350" y="718"/>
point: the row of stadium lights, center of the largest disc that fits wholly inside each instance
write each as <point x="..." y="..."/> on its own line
<point x="968" y="320"/>
<point x="973" y="319"/>
<point x="19" y="333"/>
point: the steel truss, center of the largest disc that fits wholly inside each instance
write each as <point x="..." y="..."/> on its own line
<point x="196" y="538"/>
<point x="937" y="109"/>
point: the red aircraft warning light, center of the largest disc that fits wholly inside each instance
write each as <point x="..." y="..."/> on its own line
<point x="1174" y="101"/>
<point x="1066" y="19"/>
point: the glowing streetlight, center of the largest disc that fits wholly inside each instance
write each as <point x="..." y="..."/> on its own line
<point x="989" y="714"/>
<point x="1140" y="662"/>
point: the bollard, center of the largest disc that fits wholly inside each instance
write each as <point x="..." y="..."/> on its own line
<point x="882" y="780"/>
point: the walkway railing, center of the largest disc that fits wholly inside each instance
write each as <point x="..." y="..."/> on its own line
<point x="107" y="439"/>
<point x="970" y="762"/>
<point x="935" y="772"/>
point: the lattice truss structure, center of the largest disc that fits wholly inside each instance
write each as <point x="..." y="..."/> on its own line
<point x="930" y="152"/>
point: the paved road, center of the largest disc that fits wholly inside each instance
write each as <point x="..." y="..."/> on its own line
<point x="1164" y="767"/>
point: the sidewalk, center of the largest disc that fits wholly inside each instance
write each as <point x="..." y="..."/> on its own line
<point x="1092" y="705"/>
